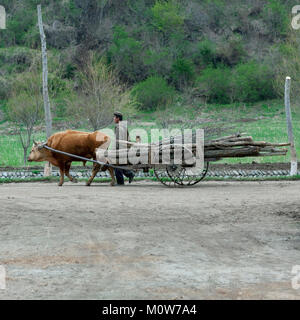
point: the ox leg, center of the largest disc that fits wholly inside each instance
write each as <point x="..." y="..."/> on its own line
<point x="96" y="169"/>
<point x="67" y="172"/>
<point x="112" y="174"/>
<point x="62" y="175"/>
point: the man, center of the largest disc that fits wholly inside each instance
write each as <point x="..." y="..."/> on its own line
<point x="121" y="133"/>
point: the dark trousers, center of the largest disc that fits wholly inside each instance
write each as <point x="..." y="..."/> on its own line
<point x="120" y="173"/>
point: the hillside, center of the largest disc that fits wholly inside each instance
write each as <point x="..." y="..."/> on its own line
<point x="151" y="58"/>
<point x="187" y="43"/>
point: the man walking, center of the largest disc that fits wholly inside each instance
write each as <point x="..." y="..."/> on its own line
<point x="121" y="133"/>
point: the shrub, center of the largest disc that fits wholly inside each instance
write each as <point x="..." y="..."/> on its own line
<point x="205" y="53"/>
<point x="249" y="82"/>
<point x="182" y="72"/>
<point x="231" y="52"/>
<point x="126" y="54"/>
<point x="216" y="85"/>
<point x="253" y="82"/>
<point x="277" y="18"/>
<point x="167" y="16"/>
<point x="153" y="92"/>
<point x="5" y="87"/>
<point x="158" y="61"/>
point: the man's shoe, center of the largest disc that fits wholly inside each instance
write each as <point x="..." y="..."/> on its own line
<point x="131" y="178"/>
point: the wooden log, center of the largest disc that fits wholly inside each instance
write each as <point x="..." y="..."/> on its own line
<point x="236" y="152"/>
<point x="271" y="154"/>
<point x="237" y="135"/>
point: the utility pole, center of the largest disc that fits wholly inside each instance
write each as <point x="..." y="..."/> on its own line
<point x="48" y="117"/>
<point x="293" y="171"/>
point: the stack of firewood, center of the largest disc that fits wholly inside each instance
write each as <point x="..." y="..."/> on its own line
<point x="234" y="146"/>
<point x="238" y="145"/>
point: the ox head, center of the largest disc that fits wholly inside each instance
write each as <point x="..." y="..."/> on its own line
<point x="38" y="152"/>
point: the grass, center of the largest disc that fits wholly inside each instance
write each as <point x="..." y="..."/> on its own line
<point x="264" y="121"/>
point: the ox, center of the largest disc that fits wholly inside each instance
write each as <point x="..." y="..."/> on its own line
<point x="79" y="143"/>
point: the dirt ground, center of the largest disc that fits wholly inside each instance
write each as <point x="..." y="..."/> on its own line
<point x="217" y="240"/>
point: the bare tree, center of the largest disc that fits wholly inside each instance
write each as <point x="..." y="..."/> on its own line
<point x="100" y="94"/>
<point x="48" y="117"/>
<point x="25" y="108"/>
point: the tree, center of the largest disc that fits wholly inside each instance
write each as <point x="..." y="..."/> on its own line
<point x="48" y="116"/>
<point x="100" y="94"/>
<point x="25" y="108"/>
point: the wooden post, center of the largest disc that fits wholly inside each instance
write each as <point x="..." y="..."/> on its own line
<point x="48" y="117"/>
<point x="293" y="171"/>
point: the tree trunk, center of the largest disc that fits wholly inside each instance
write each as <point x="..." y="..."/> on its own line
<point x="48" y="117"/>
<point x="25" y="156"/>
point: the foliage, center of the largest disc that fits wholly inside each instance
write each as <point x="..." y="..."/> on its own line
<point x="206" y="53"/>
<point x="126" y="55"/>
<point x="249" y="82"/>
<point x="153" y="92"/>
<point x="277" y="18"/>
<point x="216" y="84"/>
<point x="167" y="16"/>
<point x="183" y="72"/>
<point x="253" y="82"/>
<point x="25" y="107"/>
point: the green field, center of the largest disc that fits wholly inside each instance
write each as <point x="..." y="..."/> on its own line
<point x="264" y="121"/>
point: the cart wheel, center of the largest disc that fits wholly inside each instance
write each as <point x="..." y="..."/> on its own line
<point x="186" y="176"/>
<point x="163" y="177"/>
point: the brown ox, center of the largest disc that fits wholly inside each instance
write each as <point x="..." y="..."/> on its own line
<point x="79" y="143"/>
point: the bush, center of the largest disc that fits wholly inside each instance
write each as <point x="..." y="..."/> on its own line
<point x="153" y="92"/>
<point x="126" y="54"/>
<point x="216" y="85"/>
<point x="182" y="72"/>
<point x="158" y="61"/>
<point x="253" y="82"/>
<point x="231" y="52"/>
<point x="277" y="18"/>
<point x="5" y="87"/>
<point x="167" y="16"/>
<point x="249" y="82"/>
<point x="205" y="53"/>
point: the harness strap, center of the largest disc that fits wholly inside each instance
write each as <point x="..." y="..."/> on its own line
<point x="82" y="158"/>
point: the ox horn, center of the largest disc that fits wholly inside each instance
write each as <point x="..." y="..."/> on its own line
<point x="35" y="143"/>
<point x="41" y="146"/>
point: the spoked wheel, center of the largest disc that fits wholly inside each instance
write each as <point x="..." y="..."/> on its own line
<point x="178" y="175"/>
<point x="185" y="176"/>
<point x="163" y="176"/>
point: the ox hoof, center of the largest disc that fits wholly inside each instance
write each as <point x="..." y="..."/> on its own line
<point x="88" y="184"/>
<point x="60" y="184"/>
<point x="112" y="184"/>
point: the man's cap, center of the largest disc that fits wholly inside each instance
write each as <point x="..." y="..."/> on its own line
<point x="118" y="114"/>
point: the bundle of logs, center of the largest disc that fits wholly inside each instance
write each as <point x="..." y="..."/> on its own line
<point x="240" y="145"/>
<point x="234" y="146"/>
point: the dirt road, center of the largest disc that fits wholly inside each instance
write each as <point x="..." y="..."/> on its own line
<point x="218" y="240"/>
